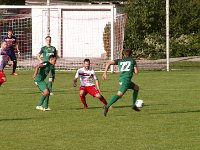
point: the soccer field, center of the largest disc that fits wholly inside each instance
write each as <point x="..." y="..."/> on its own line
<point x="169" y="119"/>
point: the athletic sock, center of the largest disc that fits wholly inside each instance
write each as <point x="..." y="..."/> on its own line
<point x="14" y="66"/>
<point x="49" y="84"/>
<point x="83" y="100"/>
<point x="135" y="95"/>
<point x="103" y="100"/>
<point x="113" y="100"/>
<point x="46" y="102"/>
<point x="41" y="100"/>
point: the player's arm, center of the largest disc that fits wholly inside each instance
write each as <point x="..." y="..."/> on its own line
<point x="52" y="75"/>
<point x="39" y="55"/>
<point x="17" y="47"/>
<point x="136" y="70"/>
<point x="36" y="70"/>
<point x="98" y="84"/>
<point x="109" y="63"/>
<point x="76" y="78"/>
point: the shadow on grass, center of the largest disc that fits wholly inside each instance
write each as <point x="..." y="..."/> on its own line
<point x="179" y="112"/>
<point x="15" y="119"/>
<point x="102" y="107"/>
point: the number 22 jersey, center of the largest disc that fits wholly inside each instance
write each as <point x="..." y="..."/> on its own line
<point x="126" y="67"/>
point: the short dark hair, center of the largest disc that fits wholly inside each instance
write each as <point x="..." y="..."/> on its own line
<point x="86" y="60"/>
<point x="52" y="56"/>
<point x="48" y="37"/>
<point x="10" y="30"/>
<point x="127" y="51"/>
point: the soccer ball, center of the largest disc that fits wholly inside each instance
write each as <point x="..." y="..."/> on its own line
<point x="139" y="103"/>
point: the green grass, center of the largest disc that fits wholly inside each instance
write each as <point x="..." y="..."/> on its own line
<point x="169" y="119"/>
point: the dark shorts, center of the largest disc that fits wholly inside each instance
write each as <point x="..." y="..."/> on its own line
<point x="11" y="55"/>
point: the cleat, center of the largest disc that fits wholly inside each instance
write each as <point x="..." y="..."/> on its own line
<point x="14" y="73"/>
<point x="134" y="107"/>
<point x="40" y="108"/>
<point x="46" y="109"/>
<point x="51" y="93"/>
<point x="85" y="107"/>
<point x="105" y="111"/>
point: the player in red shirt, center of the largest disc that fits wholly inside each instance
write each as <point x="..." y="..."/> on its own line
<point x="87" y="76"/>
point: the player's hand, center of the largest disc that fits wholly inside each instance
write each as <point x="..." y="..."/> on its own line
<point x="18" y="53"/>
<point x="104" y="76"/>
<point x="34" y="76"/>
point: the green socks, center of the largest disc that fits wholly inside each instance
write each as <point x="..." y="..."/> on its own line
<point x="41" y="100"/>
<point x="49" y="84"/>
<point x="113" y="100"/>
<point x="135" y="95"/>
<point x="46" y="102"/>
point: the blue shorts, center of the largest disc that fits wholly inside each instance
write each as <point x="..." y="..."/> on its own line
<point x="11" y="55"/>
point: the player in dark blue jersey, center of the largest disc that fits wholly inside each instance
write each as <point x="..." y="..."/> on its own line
<point x="12" y="44"/>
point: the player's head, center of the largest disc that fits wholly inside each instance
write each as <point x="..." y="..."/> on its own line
<point x="52" y="59"/>
<point x="86" y="63"/>
<point x="127" y="52"/>
<point x="48" y="40"/>
<point x="10" y="32"/>
<point x="3" y="44"/>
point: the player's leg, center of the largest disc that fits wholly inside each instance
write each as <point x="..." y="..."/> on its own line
<point x="122" y="89"/>
<point x="46" y="100"/>
<point x="2" y="77"/>
<point x="82" y="95"/>
<point x="50" y="83"/>
<point x="92" y="90"/>
<point x="14" y="60"/>
<point x="135" y="88"/>
<point x="42" y="86"/>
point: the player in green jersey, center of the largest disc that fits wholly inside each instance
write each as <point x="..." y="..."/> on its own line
<point x="127" y="67"/>
<point x="46" y="51"/>
<point x="43" y="70"/>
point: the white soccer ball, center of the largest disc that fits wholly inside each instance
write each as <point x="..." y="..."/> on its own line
<point x="139" y="103"/>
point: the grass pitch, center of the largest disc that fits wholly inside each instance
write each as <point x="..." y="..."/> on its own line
<point x="169" y="119"/>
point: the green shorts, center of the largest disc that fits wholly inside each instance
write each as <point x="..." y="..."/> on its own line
<point x="124" y="86"/>
<point x="42" y="85"/>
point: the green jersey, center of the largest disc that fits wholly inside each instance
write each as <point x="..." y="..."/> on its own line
<point x="47" y="51"/>
<point x="126" y="68"/>
<point x="48" y="69"/>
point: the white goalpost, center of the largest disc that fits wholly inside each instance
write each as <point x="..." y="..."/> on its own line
<point x="78" y="32"/>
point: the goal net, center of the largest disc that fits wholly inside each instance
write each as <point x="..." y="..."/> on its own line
<point x="78" y="32"/>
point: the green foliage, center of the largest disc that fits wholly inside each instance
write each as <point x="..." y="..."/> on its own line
<point x="12" y="2"/>
<point x="145" y="29"/>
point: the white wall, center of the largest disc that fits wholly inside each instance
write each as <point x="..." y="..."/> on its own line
<point x="83" y="33"/>
<point x="39" y="29"/>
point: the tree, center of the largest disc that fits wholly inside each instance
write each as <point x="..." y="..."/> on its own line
<point x="12" y="2"/>
<point x="145" y="29"/>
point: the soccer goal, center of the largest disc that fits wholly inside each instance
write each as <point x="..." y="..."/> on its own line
<point x="78" y="32"/>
